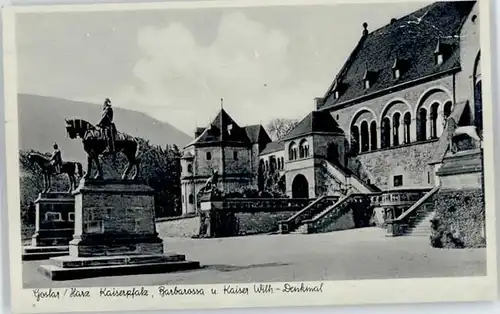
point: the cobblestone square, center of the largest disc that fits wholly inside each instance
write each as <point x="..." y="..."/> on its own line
<point x="343" y="255"/>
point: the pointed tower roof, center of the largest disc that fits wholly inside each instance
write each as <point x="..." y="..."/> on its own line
<point x="222" y="130"/>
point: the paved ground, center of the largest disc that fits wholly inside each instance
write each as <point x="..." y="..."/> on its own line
<point x="342" y="255"/>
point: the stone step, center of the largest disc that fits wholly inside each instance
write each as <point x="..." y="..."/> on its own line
<point x="42" y="255"/>
<point x="79" y="262"/>
<point x="57" y="273"/>
<point x="42" y="249"/>
<point x="33" y="253"/>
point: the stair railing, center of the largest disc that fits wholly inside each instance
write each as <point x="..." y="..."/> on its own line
<point x="289" y="225"/>
<point x="399" y="225"/>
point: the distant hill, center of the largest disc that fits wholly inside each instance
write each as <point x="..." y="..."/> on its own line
<point x="41" y="123"/>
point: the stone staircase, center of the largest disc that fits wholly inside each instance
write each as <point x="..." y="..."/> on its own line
<point x="292" y="224"/>
<point x="416" y="220"/>
<point x="423" y="227"/>
<point x="338" y="216"/>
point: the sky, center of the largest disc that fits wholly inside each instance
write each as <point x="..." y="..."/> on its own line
<point x="176" y="65"/>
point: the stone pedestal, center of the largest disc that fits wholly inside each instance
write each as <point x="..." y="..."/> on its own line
<point x="216" y="220"/>
<point x="54" y="226"/>
<point x="462" y="170"/>
<point x="115" y="234"/>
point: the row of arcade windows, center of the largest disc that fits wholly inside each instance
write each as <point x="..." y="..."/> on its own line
<point x="398" y="131"/>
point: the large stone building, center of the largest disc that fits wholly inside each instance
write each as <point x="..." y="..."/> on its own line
<point x="381" y="124"/>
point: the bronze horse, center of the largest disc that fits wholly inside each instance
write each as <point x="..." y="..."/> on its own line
<point x="94" y="144"/>
<point x="70" y="168"/>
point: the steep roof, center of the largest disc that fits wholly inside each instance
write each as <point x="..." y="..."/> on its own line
<point x="272" y="147"/>
<point x="257" y="134"/>
<point x="411" y="42"/>
<point x="218" y="132"/>
<point x="315" y="122"/>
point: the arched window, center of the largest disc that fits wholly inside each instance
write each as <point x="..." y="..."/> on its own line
<point x="373" y="135"/>
<point x="434" y="117"/>
<point x="304" y="149"/>
<point x="386" y="133"/>
<point x="292" y="151"/>
<point x="355" y="139"/>
<point x="191" y="199"/>
<point x="364" y="137"/>
<point x="190" y="168"/>
<point x="395" y="128"/>
<point x="407" y="128"/>
<point x="209" y="155"/>
<point x="267" y="165"/>
<point x="282" y="163"/>
<point x="422" y="125"/>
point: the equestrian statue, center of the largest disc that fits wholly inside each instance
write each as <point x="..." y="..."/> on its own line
<point x="54" y="166"/>
<point x="454" y="130"/>
<point x="104" y="139"/>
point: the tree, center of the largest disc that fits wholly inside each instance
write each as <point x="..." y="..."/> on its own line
<point x="159" y="167"/>
<point x="280" y="127"/>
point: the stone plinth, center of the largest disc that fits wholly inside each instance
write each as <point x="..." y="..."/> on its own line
<point x="215" y="218"/>
<point x="114" y="218"/>
<point x="54" y="226"/>
<point x="462" y="170"/>
<point x="115" y="234"/>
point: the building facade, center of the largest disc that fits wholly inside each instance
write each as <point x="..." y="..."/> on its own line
<point x="381" y="124"/>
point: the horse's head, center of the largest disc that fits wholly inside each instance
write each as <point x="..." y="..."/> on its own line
<point x="77" y="127"/>
<point x="70" y="129"/>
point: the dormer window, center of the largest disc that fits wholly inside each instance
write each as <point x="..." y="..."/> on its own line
<point x="367" y="83"/>
<point x="439" y="59"/>
<point x="439" y="53"/>
<point x="397" y="73"/>
<point x="368" y="78"/>
<point x="398" y="67"/>
<point x="336" y="89"/>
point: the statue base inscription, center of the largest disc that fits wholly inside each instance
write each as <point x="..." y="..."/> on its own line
<point x="54" y="226"/>
<point x="115" y="234"/>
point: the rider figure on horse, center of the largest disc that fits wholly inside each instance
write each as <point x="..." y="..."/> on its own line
<point x="56" y="159"/>
<point x="107" y="125"/>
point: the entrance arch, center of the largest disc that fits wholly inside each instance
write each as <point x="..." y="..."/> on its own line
<point x="300" y="187"/>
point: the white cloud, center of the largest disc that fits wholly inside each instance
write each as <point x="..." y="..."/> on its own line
<point x="181" y="81"/>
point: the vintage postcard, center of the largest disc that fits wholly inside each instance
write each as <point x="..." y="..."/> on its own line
<point x="214" y="154"/>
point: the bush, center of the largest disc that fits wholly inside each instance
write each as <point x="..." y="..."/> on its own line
<point x="459" y="219"/>
<point x="253" y="193"/>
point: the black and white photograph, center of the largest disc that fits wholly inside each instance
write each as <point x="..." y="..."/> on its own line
<point x="239" y="153"/>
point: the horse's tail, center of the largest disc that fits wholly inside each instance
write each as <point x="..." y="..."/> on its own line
<point x="79" y="169"/>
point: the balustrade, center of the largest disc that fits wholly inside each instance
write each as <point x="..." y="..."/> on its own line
<point x="261" y="204"/>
